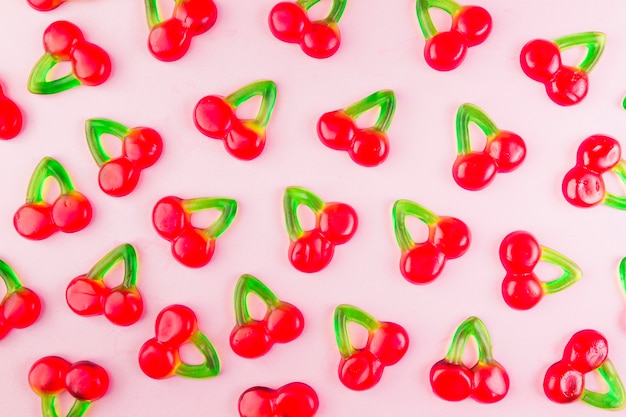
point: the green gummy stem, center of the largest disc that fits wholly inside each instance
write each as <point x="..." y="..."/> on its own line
<point x="94" y="129"/>
<point x="472" y="327"/>
<point x="48" y="167"/>
<point x="248" y="284"/>
<point x="593" y="41"/>
<point x="11" y="281"/>
<point x="266" y="89"/>
<point x="126" y="253"/>
<point x="622" y="274"/>
<point x="335" y="13"/>
<point x="612" y="200"/>
<point x="347" y="313"/>
<point x="227" y="206"/>
<point x="402" y="209"/>
<point x="614" y="398"/>
<point x="385" y="99"/>
<point x="37" y="81"/>
<point x="571" y="271"/>
<point x="294" y="196"/>
<point x="211" y="365"/>
<point x="468" y="113"/>
<point x="423" y="15"/>
<point x="48" y="407"/>
<point x="152" y="13"/>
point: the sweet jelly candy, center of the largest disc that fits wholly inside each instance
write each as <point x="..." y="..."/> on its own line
<point x="296" y="399"/>
<point x="10" y="117"/>
<point x="45" y="5"/>
<point x="20" y="306"/>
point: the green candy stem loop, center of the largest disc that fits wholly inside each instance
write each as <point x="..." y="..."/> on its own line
<point x="294" y="196"/>
<point x="622" y="274"/>
<point x="94" y="129"/>
<point x="38" y="80"/>
<point x="593" y="41"/>
<point x="343" y="315"/>
<point x="423" y="16"/>
<point x="211" y="365"/>
<point x="226" y="206"/>
<point x="402" y="209"/>
<point x="125" y="253"/>
<point x="335" y="12"/>
<point x="48" y="407"/>
<point x="614" y="399"/>
<point x="266" y="89"/>
<point x="616" y="201"/>
<point x="472" y="327"/>
<point x="48" y="167"/>
<point x="8" y="275"/>
<point x="152" y="13"/>
<point x="385" y="99"/>
<point x="571" y="271"/>
<point x="466" y="114"/>
<point x="248" y="284"/>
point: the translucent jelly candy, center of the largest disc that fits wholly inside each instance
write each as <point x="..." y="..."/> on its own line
<point x="45" y="5"/>
<point x="583" y="185"/>
<point x="320" y="39"/>
<point x="88" y="295"/>
<point x="85" y="381"/>
<point x="191" y="246"/>
<point x="444" y="51"/>
<point x="335" y="224"/>
<point x="448" y="238"/>
<point x="486" y="382"/>
<point x="296" y="399"/>
<point x="20" y="306"/>
<point x="10" y="117"/>
<point x="69" y="213"/>
<point x="141" y="148"/>
<point x="215" y="117"/>
<point x="586" y="351"/>
<point x="387" y="342"/>
<point x="541" y="61"/>
<point x="504" y="150"/>
<point x="367" y="147"/>
<point x="521" y="288"/>
<point x="283" y="322"/>
<point x="63" y="41"/>
<point x="170" y="39"/>
<point x="175" y="326"/>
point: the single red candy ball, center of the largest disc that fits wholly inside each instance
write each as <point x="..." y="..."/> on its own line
<point x="118" y="177"/>
<point x="47" y="375"/>
<point x="586" y="351"/>
<point x="521" y="292"/>
<point x="445" y="51"/>
<point x="451" y="236"/>
<point x="10" y="118"/>
<point x="198" y="16"/>
<point x="288" y="21"/>
<point x="491" y="382"/>
<point x="123" y="306"/>
<point x="336" y="130"/>
<point x="360" y="371"/>
<point x="583" y="188"/>
<point x="507" y="149"/>
<point x="60" y="37"/>
<point x="71" y="212"/>
<point x="474" y="171"/>
<point x="540" y="60"/>
<point x="34" y="221"/>
<point x="257" y="402"/>
<point x="321" y="39"/>
<point x="338" y="222"/>
<point x="87" y="381"/>
<point x="213" y="116"/>
<point x="90" y="64"/>
<point x="192" y="249"/>
<point x="158" y="360"/>
<point x="142" y="146"/>
<point x="422" y="264"/>
<point x="21" y="308"/>
<point x="169" y="40"/>
<point x="284" y="322"/>
<point x="85" y="296"/>
<point x="519" y="252"/>
<point x="175" y="325"/>
<point x="370" y="147"/>
<point x="250" y="340"/>
<point x="568" y="86"/>
<point x="474" y="23"/>
<point x="599" y="153"/>
<point x="389" y="343"/>
<point x="296" y="399"/>
<point x="562" y="384"/>
<point x="451" y="382"/>
<point x="169" y="218"/>
<point x="312" y="252"/>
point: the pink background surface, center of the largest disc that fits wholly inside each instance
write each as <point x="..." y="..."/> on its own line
<point x="381" y="49"/>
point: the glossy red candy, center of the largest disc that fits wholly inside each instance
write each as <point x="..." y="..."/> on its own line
<point x="20" y="307"/>
<point x="296" y="399"/>
<point x="10" y="117"/>
<point x="45" y="5"/>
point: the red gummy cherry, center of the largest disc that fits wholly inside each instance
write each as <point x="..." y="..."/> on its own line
<point x="568" y="86"/>
<point x="451" y="236"/>
<point x="213" y="116"/>
<point x="192" y="249"/>
<point x="47" y="375"/>
<point x="5" y="327"/>
<point x="169" y="40"/>
<point x="284" y="323"/>
<point x="45" y="5"/>
<point x="87" y="381"/>
<point x="34" y="221"/>
<point x="336" y="130"/>
<point x="360" y="371"/>
<point x="311" y="252"/>
<point x="60" y="37"/>
<point x="370" y="147"/>
<point x="198" y="16"/>
<point x="257" y="402"/>
<point x="583" y="188"/>
<point x="21" y="308"/>
<point x="85" y="296"/>
<point x="474" y="171"/>
<point x="169" y="218"/>
<point x="586" y="351"/>
<point x="507" y="149"/>
<point x="142" y="146"/>
<point x="519" y="252"/>
<point x="123" y="306"/>
<point x="321" y="39"/>
<point x="71" y="212"/>
<point x="90" y="64"/>
<point x="250" y="340"/>
<point x="157" y="360"/>
<point x="245" y="140"/>
<point x="599" y="153"/>
<point x="175" y="325"/>
<point x="522" y="291"/>
<point x="288" y="21"/>
<point x="562" y="384"/>
<point x="450" y="381"/>
<point x="338" y="222"/>
<point x="445" y="51"/>
<point x="10" y="118"/>
<point x="491" y="382"/>
<point x="474" y="23"/>
<point x="296" y="399"/>
<point x="422" y="264"/>
<point x="389" y="343"/>
<point x="118" y="177"/>
<point x="540" y="60"/>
